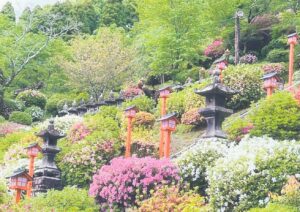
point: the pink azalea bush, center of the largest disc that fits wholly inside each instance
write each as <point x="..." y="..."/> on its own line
<point x="78" y="132"/>
<point x="128" y="180"/>
<point x="215" y="49"/>
<point x="248" y="59"/>
<point x="9" y="127"/>
<point x="131" y="92"/>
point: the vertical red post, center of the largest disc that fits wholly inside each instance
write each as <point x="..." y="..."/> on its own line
<point x="18" y="195"/>
<point x="128" y="140"/>
<point x="162" y="132"/>
<point x="168" y="144"/>
<point x="31" y="170"/>
<point x="292" y="40"/>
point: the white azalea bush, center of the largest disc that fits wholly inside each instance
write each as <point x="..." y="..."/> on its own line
<point x="193" y="164"/>
<point x="62" y="124"/>
<point x="245" y="176"/>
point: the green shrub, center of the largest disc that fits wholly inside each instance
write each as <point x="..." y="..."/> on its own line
<point x="278" y="55"/>
<point x="70" y="199"/>
<point x="234" y="126"/>
<point x="143" y="103"/>
<point x="2" y="119"/>
<point x="32" y="98"/>
<point x="250" y="171"/>
<point x="35" y="112"/>
<point x="277" y="116"/>
<point x="20" y="118"/>
<point x="246" y="79"/>
<point x="4" y="196"/>
<point x="144" y="119"/>
<point x="52" y="103"/>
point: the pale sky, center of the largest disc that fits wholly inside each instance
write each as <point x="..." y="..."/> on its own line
<point x="20" y="5"/>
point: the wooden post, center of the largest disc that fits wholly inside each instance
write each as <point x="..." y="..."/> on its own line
<point x="291" y="64"/>
<point x="168" y="144"/>
<point x="128" y="140"/>
<point x="18" y="195"/>
<point x="31" y="170"/>
<point x="237" y="40"/>
<point x="162" y="137"/>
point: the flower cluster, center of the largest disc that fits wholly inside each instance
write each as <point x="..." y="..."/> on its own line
<point x="193" y="164"/>
<point x="62" y="124"/>
<point x="173" y="198"/>
<point x="78" y="132"/>
<point x="248" y="59"/>
<point x="249" y="171"/>
<point x="273" y="67"/>
<point x="144" y="119"/>
<point x="84" y="159"/>
<point x="131" y="92"/>
<point x="215" y="49"/>
<point x="192" y="117"/>
<point x="128" y="180"/>
<point x="10" y="127"/>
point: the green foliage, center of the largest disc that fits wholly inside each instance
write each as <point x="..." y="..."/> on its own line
<point x="4" y="196"/>
<point x="143" y="103"/>
<point x="144" y="119"/>
<point x="233" y="126"/>
<point x="20" y="118"/>
<point x="277" y="116"/>
<point x="2" y="119"/>
<point x="35" y="112"/>
<point x="246" y="79"/>
<point x="32" y="98"/>
<point x="278" y="55"/>
<point x="70" y="199"/>
<point x="9" y="12"/>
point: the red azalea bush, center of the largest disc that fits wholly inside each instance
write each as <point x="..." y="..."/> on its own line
<point x="131" y="92"/>
<point x="141" y="149"/>
<point x="273" y="67"/>
<point x="192" y="117"/>
<point x="128" y="180"/>
<point x="144" y="119"/>
<point x="215" y="50"/>
<point x="78" y="132"/>
<point x="10" y="127"/>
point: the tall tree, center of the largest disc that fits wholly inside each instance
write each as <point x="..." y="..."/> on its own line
<point x="9" y="12"/>
<point x="98" y="62"/>
<point x="19" y="47"/>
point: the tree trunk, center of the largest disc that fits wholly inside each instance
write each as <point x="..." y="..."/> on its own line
<point x="2" y="109"/>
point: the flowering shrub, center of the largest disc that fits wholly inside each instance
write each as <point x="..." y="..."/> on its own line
<point x="192" y="117"/>
<point x="173" y="199"/>
<point x="32" y="98"/>
<point x="142" y="149"/>
<point x="128" y="180"/>
<point x="78" y="132"/>
<point x="246" y="79"/>
<point x="132" y="92"/>
<point x="10" y="127"/>
<point x="278" y="56"/>
<point x="143" y="103"/>
<point x="2" y="119"/>
<point x="249" y="171"/>
<point x="35" y="112"/>
<point x="83" y="159"/>
<point x="20" y="118"/>
<point x="277" y="116"/>
<point x="193" y="163"/>
<point x="144" y="119"/>
<point x="215" y="49"/>
<point x="62" y="124"/>
<point x="248" y="59"/>
<point x="273" y="67"/>
<point x="236" y="128"/>
<point x="69" y="199"/>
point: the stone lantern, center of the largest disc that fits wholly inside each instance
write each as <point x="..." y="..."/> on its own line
<point x="64" y="111"/>
<point x="47" y="176"/>
<point x="73" y="110"/>
<point x="82" y="109"/>
<point x="215" y="111"/>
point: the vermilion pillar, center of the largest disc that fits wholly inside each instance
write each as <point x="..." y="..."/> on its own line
<point x="128" y="140"/>
<point x="18" y="195"/>
<point x="168" y="143"/>
<point x="30" y="172"/>
<point x="292" y="40"/>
